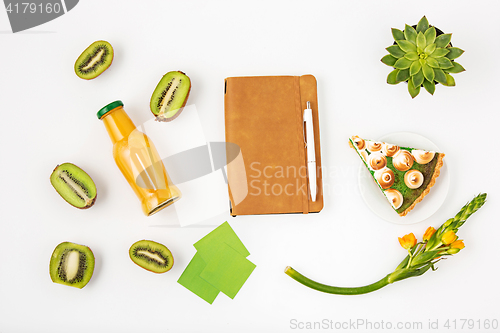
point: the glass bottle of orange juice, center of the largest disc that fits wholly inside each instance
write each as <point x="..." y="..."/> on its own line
<point x="138" y="160"/>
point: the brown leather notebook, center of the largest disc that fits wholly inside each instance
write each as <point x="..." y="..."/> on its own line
<point x="264" y="118"/>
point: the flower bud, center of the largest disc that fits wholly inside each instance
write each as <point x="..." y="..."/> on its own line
<point x="458" y="244"/>
<point x="428" y="233"/>
<point x="453" y="251"/>
<point x="408" y="241"/>
<point x="448" y="237"/>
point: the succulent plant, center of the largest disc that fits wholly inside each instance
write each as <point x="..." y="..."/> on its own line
<point x="422" y="57"/>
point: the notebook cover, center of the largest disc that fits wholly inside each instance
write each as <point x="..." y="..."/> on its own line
<point x="264" y="118"/>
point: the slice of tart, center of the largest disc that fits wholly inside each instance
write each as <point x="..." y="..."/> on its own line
<point x="405" y="175"/>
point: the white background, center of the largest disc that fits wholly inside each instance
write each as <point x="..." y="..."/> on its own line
<point x="48" y="117"/>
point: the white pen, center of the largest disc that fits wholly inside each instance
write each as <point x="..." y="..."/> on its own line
<point x="311" y="153"/>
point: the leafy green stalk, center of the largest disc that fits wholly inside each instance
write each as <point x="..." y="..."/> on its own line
<point x="421" y="256"/>
<point x="336" y="290"/>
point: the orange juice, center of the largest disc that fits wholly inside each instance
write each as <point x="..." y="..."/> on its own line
<point x="137" y="158"/>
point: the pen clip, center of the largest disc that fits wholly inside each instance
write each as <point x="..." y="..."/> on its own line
<point x="304" y="132"/>
<point x="308" y="106"/>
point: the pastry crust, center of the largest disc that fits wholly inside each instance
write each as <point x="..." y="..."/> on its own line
<point x="439" y="164"/>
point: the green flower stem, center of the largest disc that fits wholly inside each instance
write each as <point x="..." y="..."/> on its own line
<point x="419" y="247"/>
<point x="413" y="252"/>
<point x="421" y="257"/>
<point x="335" y="290"/>
<point x="410" y="259"/>
<point x="435" y="247"/>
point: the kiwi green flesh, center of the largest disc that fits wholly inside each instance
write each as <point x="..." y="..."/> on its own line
<point x="74" y="185"/>
<point x="72" y="265"/>
<point x="170" y="95"/>
<point x="94" y="60"/>
<point x="152" y="256"/>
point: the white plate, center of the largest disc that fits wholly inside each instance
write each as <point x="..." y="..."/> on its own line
<point x="378" y="203"/>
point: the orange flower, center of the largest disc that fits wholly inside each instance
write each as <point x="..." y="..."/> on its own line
<point x="408" y="241"/>
<point x="428" y="233"/>
<point x="449" y="237"/>
<point x="458" y="244"/>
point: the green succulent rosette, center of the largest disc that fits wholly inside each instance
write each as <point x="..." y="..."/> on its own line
<point x="422" y="58"/>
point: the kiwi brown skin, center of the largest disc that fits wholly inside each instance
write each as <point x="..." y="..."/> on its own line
<point x="91" y="203"/>
<point x="163" y="119"/>
<point x="92" y="76"/>
<point x="57" y="259"/>
<point x="149" y="243"/>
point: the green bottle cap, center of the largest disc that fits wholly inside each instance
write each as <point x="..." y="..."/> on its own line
<point x="108" y="108"/>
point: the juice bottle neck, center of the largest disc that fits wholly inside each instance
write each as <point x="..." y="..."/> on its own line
<point x="118" y="124"/>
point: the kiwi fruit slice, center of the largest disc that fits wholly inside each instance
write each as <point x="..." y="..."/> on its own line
<point x="74" y="185"/>
<point x="94" y="60"/>
<point x="72" y="265"/>
<point x="152" y="256"/>
<point x="170" y="96"/>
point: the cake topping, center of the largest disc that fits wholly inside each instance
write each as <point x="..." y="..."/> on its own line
<point x="373" y="146"/>
<point x="385" y="177"/>
<point x="395" y="198"/>
<point x="403" y="160"/>
<point x="360" y="143"/>
<point x="364" y="154"/>
<point x="377" y="161"/>
<point x="399" y="171"/>
<point x="414" y="179"/>
<point x="422" y="156"/>
<point x="389" y="150"/>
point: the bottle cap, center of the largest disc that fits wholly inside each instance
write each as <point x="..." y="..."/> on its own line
<point x="108" y="108"/>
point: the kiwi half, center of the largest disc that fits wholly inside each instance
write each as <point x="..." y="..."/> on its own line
<point x="170" y="96"/>
<point x="94" y="60"/>
<point x="72" y="265"/>
<point x="74" y="185"/>
<point x="152" y="256"/>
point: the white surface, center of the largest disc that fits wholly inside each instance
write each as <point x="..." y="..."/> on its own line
<point x="377" y="201"/>
<point x="202" y="198"/>
<point x="48" y="117"/>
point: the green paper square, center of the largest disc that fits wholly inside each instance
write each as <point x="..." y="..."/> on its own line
<point x="191" y="279"/>
<point x="210" y="245"/>
<point x="227" y="271"/>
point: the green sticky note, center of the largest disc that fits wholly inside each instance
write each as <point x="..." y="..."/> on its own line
<point x="210" y="245"/>
<point x="227" y="270"/>
<point x="191" y="279"/>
